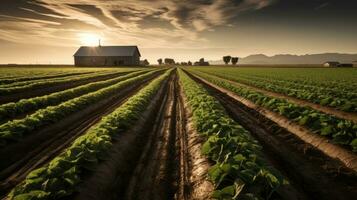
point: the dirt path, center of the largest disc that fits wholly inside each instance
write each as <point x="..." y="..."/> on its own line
<point x="159" y="158"/>
<point x="38" y="149"/>
<point x="154" y="175"/>
<point x="55" y="88"/>
<point x="171" y="166"/>
<point x="325" y="109"/>
<point x="312" y="174"/>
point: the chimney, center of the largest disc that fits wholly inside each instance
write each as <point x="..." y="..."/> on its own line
<point x="99" y="43"/>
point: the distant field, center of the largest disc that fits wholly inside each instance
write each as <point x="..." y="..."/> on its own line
<point x="178" y="133"/>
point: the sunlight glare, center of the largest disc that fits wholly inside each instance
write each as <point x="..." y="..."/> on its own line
<point x="89" y="39"/>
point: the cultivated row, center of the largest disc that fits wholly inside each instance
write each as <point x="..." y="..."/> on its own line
<point x="340" y="131"/>
<point x="39" y="84"/>
<point x="63" y="174"/>
<point x="337" y="97"/>
<point x="14" y="109"/>
<point x="13" y="131"/>
<point x="239" y="168"/>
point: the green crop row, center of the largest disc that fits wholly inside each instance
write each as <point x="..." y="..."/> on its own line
<point x="341" y="131"/>
<point x="27" y="87"/>
<point x="62" y="175"/>
<point x="239" y="169"/>
<point x="13" y="131"/>
<point x="11" y="110"/>
<point x="54" y="80"/>
<point x="330" y="78"/>
<point x="41" y="77"/>
<point x="332" y="89"/>
<point x="327" y="86"/>
<point x="338" y="98"/>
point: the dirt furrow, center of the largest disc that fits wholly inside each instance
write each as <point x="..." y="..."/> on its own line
<point x="111" y="178"/>
<point x="159" y="158"/>
<point x="40" y="148"/>
<point x="171" y="165"/>
<point x="323" y="144"/>
<point x="300" y="102"/>
<point x="153" y="176"/>
<point x="55" y="88"/>
<point x="312" y="174"/>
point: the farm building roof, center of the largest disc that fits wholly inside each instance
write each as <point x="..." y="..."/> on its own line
<point x="107" y="51"/>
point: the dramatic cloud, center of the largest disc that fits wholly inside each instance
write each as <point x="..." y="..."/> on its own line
<point x="146" y="22"/>
<point x="51" y="30"/>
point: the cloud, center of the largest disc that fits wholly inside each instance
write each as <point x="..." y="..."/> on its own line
<point x="323" y="5"/>
<point x="122" y="21"/>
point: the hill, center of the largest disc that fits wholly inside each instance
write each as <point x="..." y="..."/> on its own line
<point x="295" y="59"/>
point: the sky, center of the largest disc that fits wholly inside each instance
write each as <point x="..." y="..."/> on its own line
<point x="50" y="31"/>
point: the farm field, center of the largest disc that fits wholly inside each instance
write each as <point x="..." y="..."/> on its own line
<point x="178" y="133"/>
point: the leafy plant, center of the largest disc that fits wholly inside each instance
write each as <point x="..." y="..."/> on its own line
<point x="340" y="131"/>
<point x="13" y="131"/>
<point x="11" y="110"/>
<point x="238" y="163"/>
<point x="61" y="176"/>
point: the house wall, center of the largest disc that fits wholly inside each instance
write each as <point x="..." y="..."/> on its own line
<point x="90" y="61"/>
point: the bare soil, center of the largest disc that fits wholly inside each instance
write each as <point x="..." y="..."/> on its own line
<point x="42" y="77"/>
<point x="44" y="90"/>
<point x="323" y="144"/>
<point x="111" y="178"/>
<point x="311" y="173"/>
<point x="301" y="102"/>
<point x="159" y="158"/>
<point x="18" y="159"/>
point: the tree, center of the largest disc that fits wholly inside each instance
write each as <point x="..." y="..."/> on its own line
<point x="234" y="60"/>
<point x="189" y="63"/>
<point x="160" y="61"/>
<point x="227" y="59"/>
<point x="169" y="61"/>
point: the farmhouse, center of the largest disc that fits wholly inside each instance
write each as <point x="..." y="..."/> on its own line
<point x="107" y="56"/>
<point x="331" y="64"/>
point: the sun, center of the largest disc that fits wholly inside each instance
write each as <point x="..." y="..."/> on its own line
<point x="89" y="39"/>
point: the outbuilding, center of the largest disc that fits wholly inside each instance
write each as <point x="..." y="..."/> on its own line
<point x="331" y="64"/>
<point x="88" y="56"/>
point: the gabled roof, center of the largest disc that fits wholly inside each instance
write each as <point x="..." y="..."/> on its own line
<point x="107" y="51"/>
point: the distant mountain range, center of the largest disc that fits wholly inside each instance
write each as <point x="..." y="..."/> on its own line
<point x="294" y="59"/>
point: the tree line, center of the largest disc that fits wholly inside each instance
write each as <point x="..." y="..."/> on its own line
<point x="201" y="62"/>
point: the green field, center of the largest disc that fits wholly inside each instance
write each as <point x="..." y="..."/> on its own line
<point x="178" y="132"/>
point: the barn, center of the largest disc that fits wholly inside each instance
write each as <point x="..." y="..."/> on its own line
<point x="107" y="56"/>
